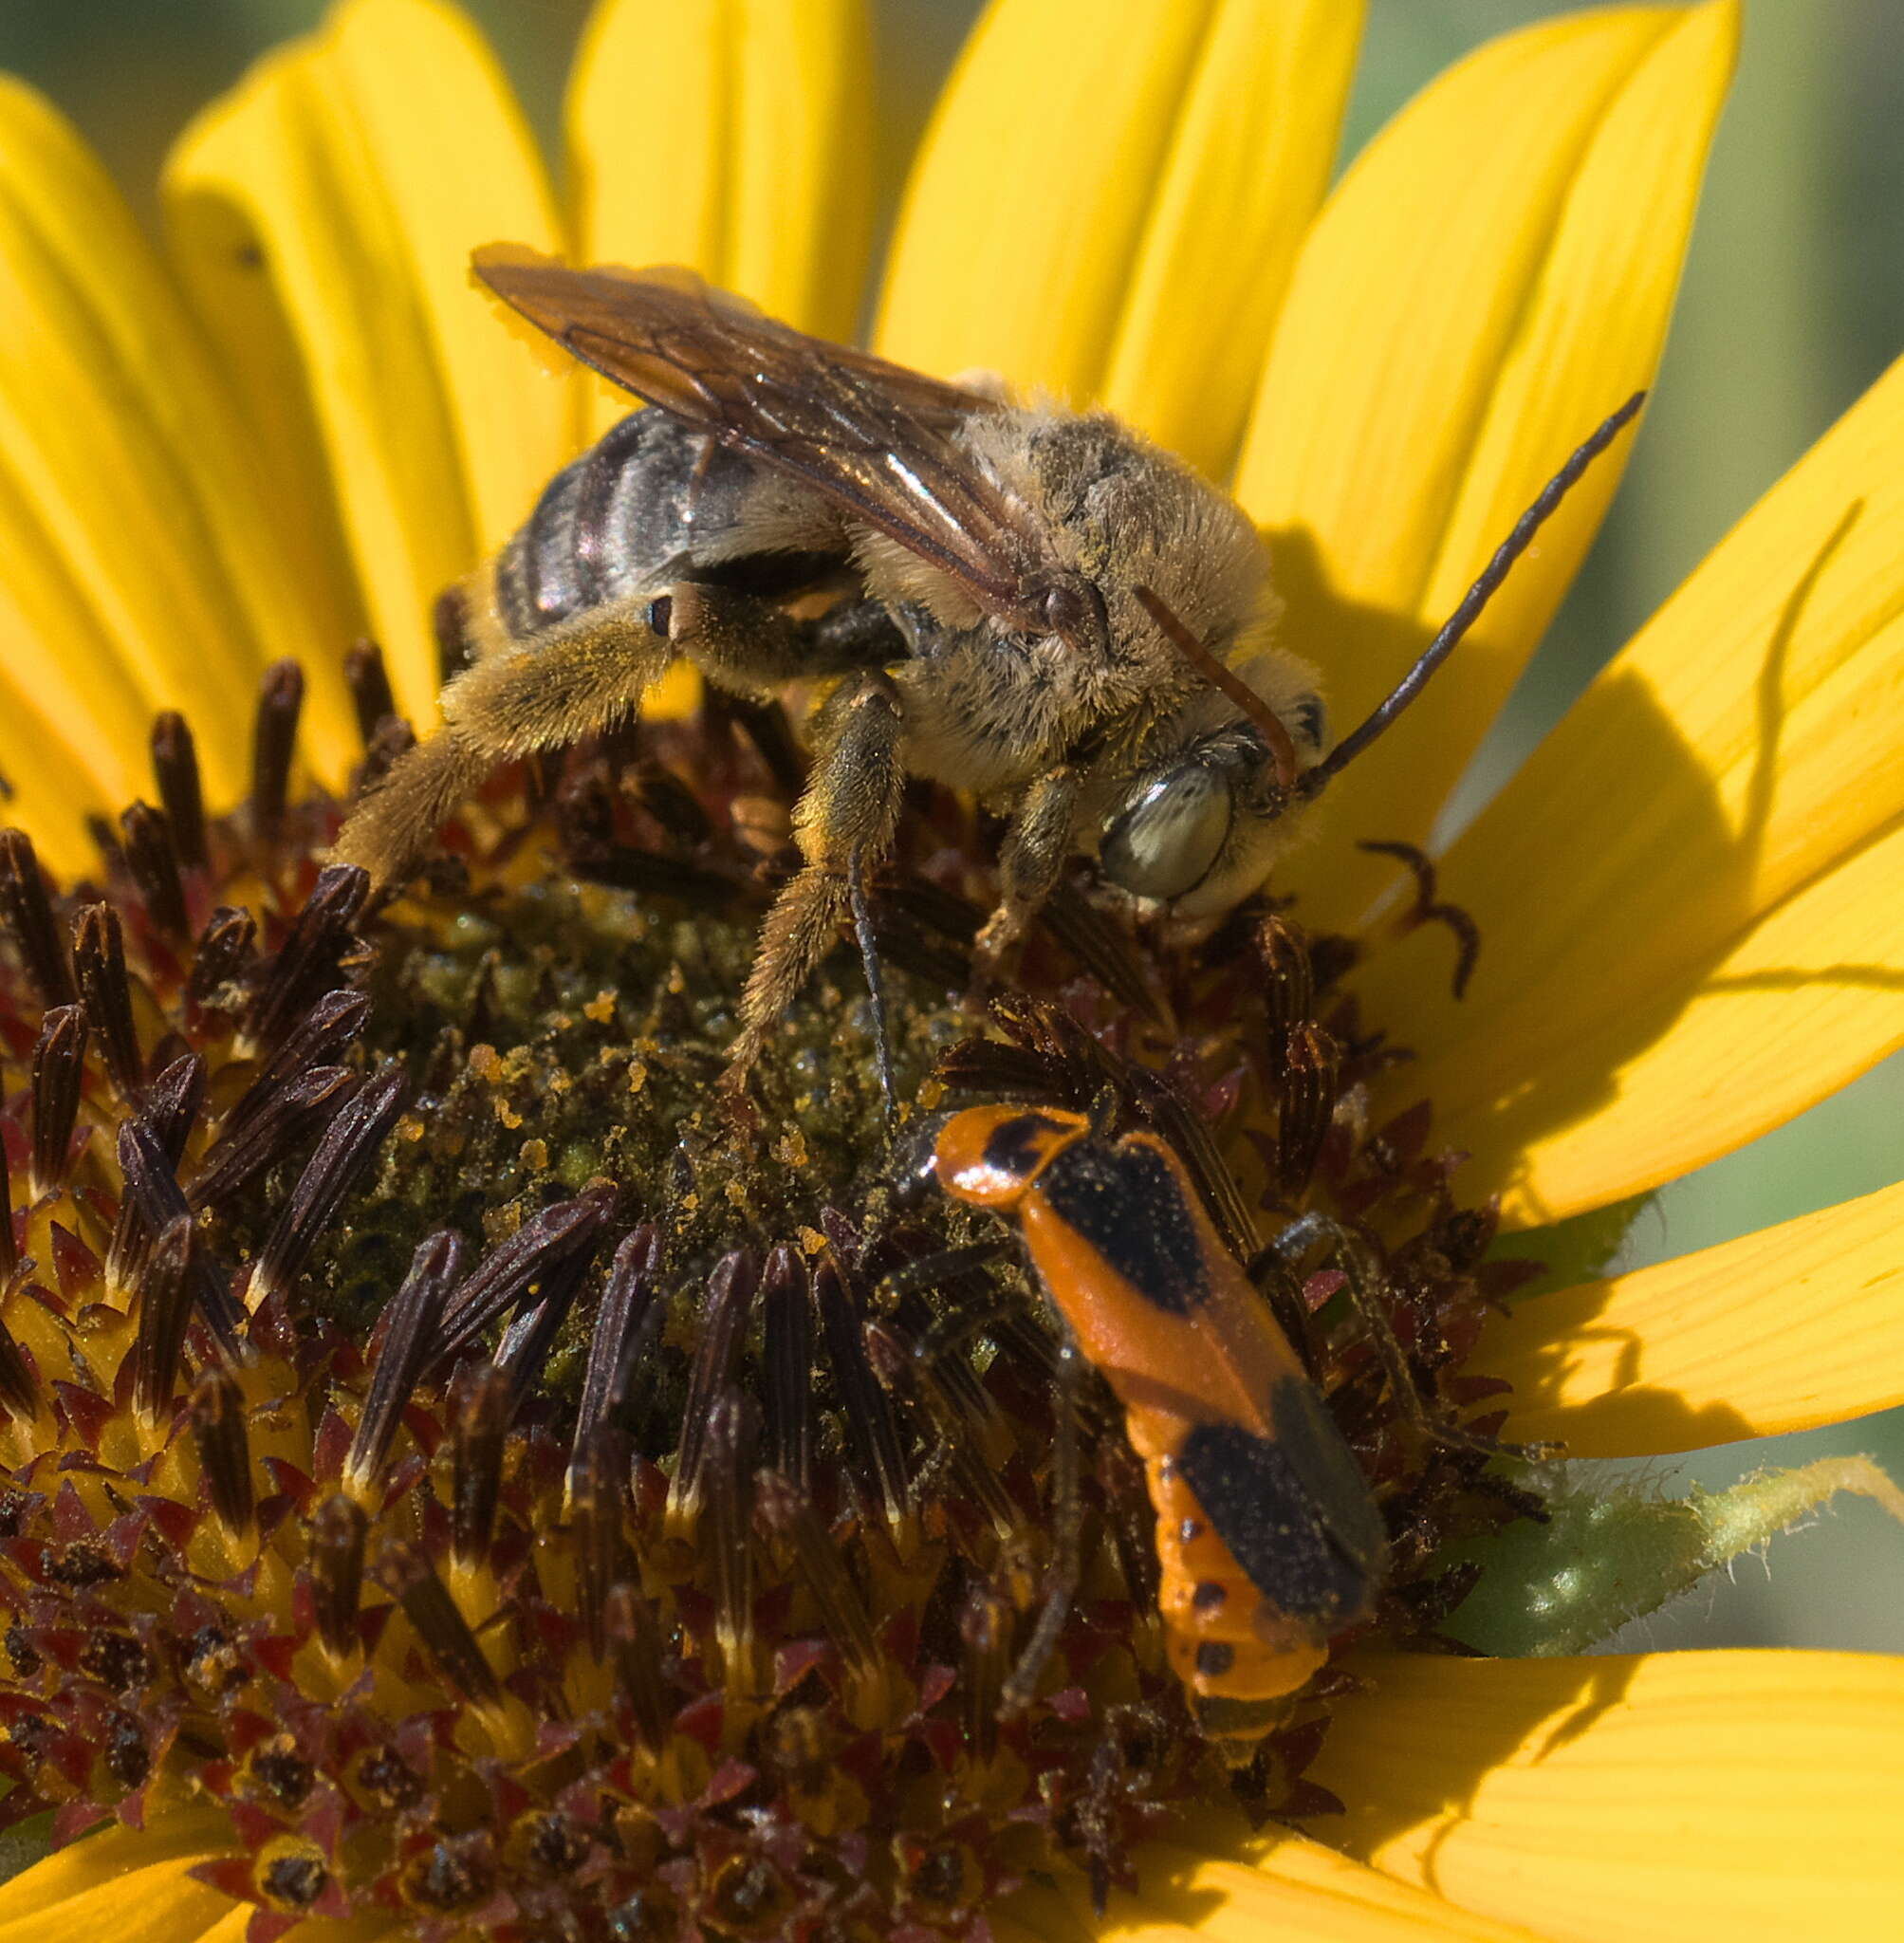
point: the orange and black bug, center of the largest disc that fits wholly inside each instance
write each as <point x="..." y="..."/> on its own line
<point x="1269" y="1540"/>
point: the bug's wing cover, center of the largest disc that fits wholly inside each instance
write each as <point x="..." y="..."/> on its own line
<point x="872" y="436"/>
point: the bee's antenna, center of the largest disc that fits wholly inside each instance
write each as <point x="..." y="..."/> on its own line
<point x="1465" y="616"/>
<point x="1268" y="724"/>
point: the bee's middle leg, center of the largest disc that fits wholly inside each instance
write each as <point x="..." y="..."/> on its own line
<point x="1035" y="848"/>
<point x="844" y="825"/>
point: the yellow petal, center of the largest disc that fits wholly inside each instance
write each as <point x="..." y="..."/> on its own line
<point x="122" y="1883"/>
<point x="733" y="136"/>
<point x="361" y="166"/>
<point x="1797" y="1325"/>
<point x="1623" y="1799"/>
<point x="1112" y="213"/>
<point x="144" y="563"/>
<point x="1800" y="1006"/>
<point x="1490" y="280"/>
<point x="1632" y="873"/>
<point x="1287" y="1888"/>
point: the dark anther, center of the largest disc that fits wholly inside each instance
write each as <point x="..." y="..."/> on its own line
<point x="394" y="738"/>
<point x="116" y="1660"/>
<point x="409" y="1324"/>
<point x="318" y="1039"/>
<point x="449" y="621"/>
<point x="274" y="734"/>
<point x="174" y="768"/>
<point x="152" y="1201"/>
<point x="290" y="1883"/>
<point x="536" y="1250"/>
<point x="153" y="859"/>
<point x="344" y="1156"/>
<point x="426" y="1602"/>
<point x="308" y="964"/>
<point x="1189" y="1136"/>
<point x="1306" y="1103"/>
<point x="59" y="1066"/>
<point x="787" y="1512"/>
<point x="221" y="959"/>
<point x="671" y="802"/>
<point x="99" y="958"/>
<point x="723" y="1320"/>
<point x="279" y="1126"/>
<point x="634" y="1649"/>
<point x="1288" y="980"/>
<point x="128" y="1758"/>
<point x="223" y="1449"/>
<point x="1428" y="909"/>
<point x="787" y="1356"/>
<point x="173" y="1104"/>
<point x="525" y="1344"/>
<point x="338" y="1534"/>
<point x="482" y="1407"/>
<point x="164" y="1309"/>
<point x="368" y="680"/>
<point x="733" y="1433"/>
<point x="624" y="1323"/>
<point x="10" y="1247"/>
<point x="1101" y="946"/>
<point x="19" y="1392"/>
<point x="595" y="1492"/>
<point x="866" y="1411"/>
<point x="28" y="911"/>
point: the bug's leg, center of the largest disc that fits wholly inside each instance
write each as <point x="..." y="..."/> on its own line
<point x="1067" y="1518"/>
<point x="512" y="703"/>
<point x="1035" y="848"/>
<point x="1367" y="1289"/>
<point x="845" y="822"/>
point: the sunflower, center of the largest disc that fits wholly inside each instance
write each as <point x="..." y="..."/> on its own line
<point x="687" y="1607"/>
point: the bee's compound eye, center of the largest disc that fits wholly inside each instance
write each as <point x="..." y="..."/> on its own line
<point x="660" y="613"/>
<point x="1165" y="838"/>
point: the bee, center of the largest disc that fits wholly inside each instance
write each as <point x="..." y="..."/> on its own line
<point x="1039" y="607"/>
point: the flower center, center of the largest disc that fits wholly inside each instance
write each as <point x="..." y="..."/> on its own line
<point x="503" y="1490"/>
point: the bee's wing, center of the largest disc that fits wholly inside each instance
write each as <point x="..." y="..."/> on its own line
<point x="873" y="436"/>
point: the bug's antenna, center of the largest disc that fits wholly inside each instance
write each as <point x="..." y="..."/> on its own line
<point x="1267" y="723"/>
<point x="1477" y="597"/>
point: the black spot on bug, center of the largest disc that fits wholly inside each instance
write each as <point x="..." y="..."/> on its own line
<point x="1190" y="1532"/>
<point x="1125" y="1201"/>
<point x="1209" y="1596"/>
<point x="1214" y="1659"/>
<point x="1282" y="1537"/>
<point x="1016" y="1146"/>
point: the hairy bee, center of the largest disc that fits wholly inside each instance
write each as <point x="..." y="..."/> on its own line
<point x="1040" y="606"/>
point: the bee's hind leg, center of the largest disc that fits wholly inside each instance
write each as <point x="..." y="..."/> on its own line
<point x="844" y="825"/>
<point x="580" y="677"/>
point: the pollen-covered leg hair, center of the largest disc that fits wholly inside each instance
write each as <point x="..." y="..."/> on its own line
<point x="846" y="820"/>
<point x="510" y="704"/>
<point x="1033" y="854"/>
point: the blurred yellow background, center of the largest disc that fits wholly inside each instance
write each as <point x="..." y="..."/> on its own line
<point x="1793" y="302"/>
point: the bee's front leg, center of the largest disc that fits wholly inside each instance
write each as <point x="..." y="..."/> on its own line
<point x="582" y="676"/>
<point x="844" y="825"/>
<point x="1036" y="846"/>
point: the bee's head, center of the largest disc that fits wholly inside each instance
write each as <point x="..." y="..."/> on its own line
<point x="1198" y="827"/>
